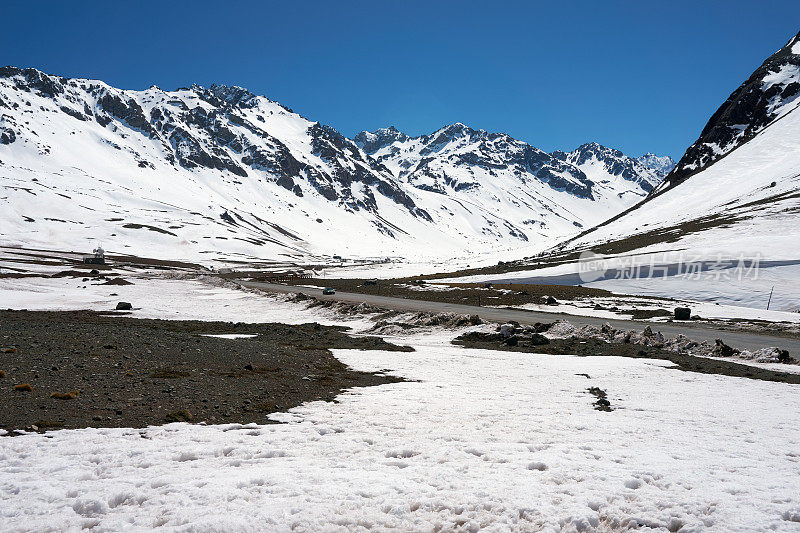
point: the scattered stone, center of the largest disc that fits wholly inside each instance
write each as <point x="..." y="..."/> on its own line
<point x="124" y="306"/>
<point x="23" y="387"/>
<point x="723" y="350"/>
<point x="602" y="403"/>
<point x="249" y="367"/>
<point x="507" y="330"/>
<point x="537" y="339"/>
<point x="179" y="416"/>
<point x="683" y="313"/>
<point x="475" y="320"/>
<point x="512" y="340"/>
<point x="117" y="281"/>
<point x="768" y="355"/>
<point x="684" y="353"/>
<point x="94" y="272"/>
<point x="549" y="300"/>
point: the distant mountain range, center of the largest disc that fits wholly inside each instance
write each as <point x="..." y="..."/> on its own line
<point x="222" y="173"/>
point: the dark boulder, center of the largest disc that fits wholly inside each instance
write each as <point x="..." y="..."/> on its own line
<point x="124" y="306"/>
<point x="513" y="340"/>
<point x="723" y="350"/>
<point x="179" y="416"/>
<point x="537" y="339"/>
<point x="683" y="313"/>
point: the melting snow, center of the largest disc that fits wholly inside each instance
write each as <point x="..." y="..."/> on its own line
<point x="524" y="450"/>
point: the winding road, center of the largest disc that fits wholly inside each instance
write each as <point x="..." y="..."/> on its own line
<point x="742" y="340"/>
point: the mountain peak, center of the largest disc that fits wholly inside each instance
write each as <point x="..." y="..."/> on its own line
<point x="372" y="141"/>
<point x="660" y="164"/>
<point x="231" y="94"/>
<point x="769" y="93"/>
<point x="457" y="129"/>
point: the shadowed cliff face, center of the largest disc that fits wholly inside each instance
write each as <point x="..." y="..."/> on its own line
<point x="759" y="101"/>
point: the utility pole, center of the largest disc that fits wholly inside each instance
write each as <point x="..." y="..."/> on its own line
<point x="770" y="297"/>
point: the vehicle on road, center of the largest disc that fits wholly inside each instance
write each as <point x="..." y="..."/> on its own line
<point x="328" y="291"/>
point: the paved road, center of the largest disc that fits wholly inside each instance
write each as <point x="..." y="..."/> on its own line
<point x="695" y="331"/>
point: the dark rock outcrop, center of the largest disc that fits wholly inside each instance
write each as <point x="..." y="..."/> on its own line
<point x="748" y="110"/>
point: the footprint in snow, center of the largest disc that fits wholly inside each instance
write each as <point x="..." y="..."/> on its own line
<point x="401" y="454"/>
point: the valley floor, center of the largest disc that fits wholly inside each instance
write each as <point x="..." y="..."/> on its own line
<point x="471" y="439"/>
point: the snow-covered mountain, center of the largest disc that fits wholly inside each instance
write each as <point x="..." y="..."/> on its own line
<point x="734" y="194"/>
<point x="766" y="96"/>
<point x="221" y="173"/>
<point x="482" y="169"/>
<point x="743" y="171"/>
<point x="452" y="158"/>
<point x="603" y="164"/>
<point x="661" y="165"/>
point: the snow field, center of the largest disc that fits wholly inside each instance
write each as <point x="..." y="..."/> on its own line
<point x="484" y="440"/>
<point x="165" y="299"/>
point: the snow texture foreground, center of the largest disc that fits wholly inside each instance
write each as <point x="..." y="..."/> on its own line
<point x="485" y="439"/>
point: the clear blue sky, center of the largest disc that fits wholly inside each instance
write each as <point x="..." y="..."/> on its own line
<point x="640" y="76"/>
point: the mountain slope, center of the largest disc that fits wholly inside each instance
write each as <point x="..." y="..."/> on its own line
<point x="727" y="200"/>
<point x="741" y="174"/>
<point x="221" y="173"/>
<point x="214" y="171"/>
<point x="768" y="94"/>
